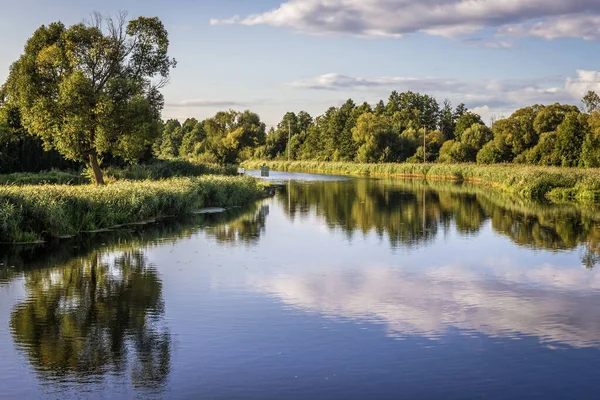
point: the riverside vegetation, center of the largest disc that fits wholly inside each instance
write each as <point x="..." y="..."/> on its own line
<point x="89" y="96"/>
<point x="37" y="212"/>
<point x="533" y="182"/>
<point x="90" y="93"/>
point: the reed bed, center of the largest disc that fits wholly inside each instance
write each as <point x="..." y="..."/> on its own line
<point x="40" y="212"/>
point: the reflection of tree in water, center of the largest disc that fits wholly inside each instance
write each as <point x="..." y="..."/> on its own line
<point x="95" y="315"/>
<point x="246" y="228"/>
<point x="410" y="212"/>
<point x="16" y="259"/>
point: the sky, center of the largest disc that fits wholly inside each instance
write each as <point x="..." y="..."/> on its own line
<point x="274" y="56"/>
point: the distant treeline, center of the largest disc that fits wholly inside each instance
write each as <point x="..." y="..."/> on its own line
<point x="393" y="131"/>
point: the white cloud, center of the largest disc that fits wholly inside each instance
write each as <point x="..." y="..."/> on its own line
<point x="334" y="81"/>
<point x="491" y="44"/>
<point x="585" y="81"/>
<point x="214" y="103"/>
<point x="394" y="18"/>
<point x="203" y="103"/>
<point x="582" y="26"/>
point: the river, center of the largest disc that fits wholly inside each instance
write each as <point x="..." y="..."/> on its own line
<point x="336" y="288"/>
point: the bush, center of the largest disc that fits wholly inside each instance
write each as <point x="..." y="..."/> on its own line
<point x="490" y="154"/>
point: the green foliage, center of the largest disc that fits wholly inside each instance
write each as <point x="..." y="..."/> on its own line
<point x="590" y="152"/>
<point x="527" y="181"/>
<point x="36" y="212"/>
<point x="168" y="142"/>
<point x="227" y="138"/>
<point x="372" y="135"/>
<point x="162" y="169"/>
<point x="92" y="89"/>
<point x="392" y="133"/>
<point x="491" y="153"/>
<point x="591" y="102"/>
<point x="550" y="117"/>
<point x="447" y="122"/>
<point x="466" y="121"/>
<point x="517" y="132"/>
<point x="43" y="178"/>
<point x="544" y="152"/>
<point x="569" y="140"/>
<point x="456" y="152"/>
<point x="154" y="170"/>
<point x="476" y="136"/>
<point x="21" y="152"/>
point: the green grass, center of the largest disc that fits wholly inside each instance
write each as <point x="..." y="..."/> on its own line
<point x="38" y="212"/>
<point x="161" y="169"/>
<point x="553" y="183"/>
<point x="154" y="170"/>
<point x="41" y="178"/>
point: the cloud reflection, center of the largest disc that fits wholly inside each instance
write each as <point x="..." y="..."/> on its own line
<point x="558" y="306"/>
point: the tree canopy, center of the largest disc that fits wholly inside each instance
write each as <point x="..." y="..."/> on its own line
<point x="93" y="88"/>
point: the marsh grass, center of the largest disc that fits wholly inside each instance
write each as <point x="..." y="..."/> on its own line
<point x="154" y="170"/>
<point x="532" y="182"/>
<point x="162" y="169"/>
<point x="37" y="212"/>
<point x="43" y="178"/>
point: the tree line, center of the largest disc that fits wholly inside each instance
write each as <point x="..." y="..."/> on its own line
<point x="409" y="127"/>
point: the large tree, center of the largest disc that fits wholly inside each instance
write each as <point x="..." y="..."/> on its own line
<point x="93" y="88"/>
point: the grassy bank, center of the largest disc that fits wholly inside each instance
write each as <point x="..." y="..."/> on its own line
<point x="162" y="169"/>
<point x="38" y="212"/>
<point x="154" y="170"/>
<point x="53" y="177"/>
<point x="556" y="184"/>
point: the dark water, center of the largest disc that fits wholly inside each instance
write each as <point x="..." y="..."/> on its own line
<point x="334" y="289"/>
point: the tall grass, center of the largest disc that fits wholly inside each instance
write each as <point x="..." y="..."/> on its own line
<point x="46" y="177"/>
<point x="33" y="213"/>
<point x="554" y="183"/>
<point x="154" y="170"/>
<point x="161" y="169"/>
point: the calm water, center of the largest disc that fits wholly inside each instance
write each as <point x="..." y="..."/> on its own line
<point x="334" y="289"/>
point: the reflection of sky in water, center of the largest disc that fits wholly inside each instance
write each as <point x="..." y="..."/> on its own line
<point x="482" y="283"/>
<point x="304" y="310"/>
<point x="283" y="177"/>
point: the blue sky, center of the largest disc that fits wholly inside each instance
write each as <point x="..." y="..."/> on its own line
<point x="291" y="55"/>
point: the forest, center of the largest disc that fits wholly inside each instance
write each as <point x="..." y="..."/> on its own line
<point x="409" y="127"/>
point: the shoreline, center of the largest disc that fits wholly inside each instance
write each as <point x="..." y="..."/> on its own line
<point x="556" y="184"/>
<point x="38" y="213"/>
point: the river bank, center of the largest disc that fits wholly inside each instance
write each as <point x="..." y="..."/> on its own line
<point x="152" y="170"/>
<point x="552" y="183"/>
<point x="32" y="213"/>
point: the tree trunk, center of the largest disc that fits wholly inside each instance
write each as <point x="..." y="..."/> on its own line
<point x="99" y="180"/>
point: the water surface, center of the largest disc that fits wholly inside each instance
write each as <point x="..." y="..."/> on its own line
<point x="335" y="288"/>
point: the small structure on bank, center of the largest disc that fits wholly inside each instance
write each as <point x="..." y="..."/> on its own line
<point x="264" y="171"/>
